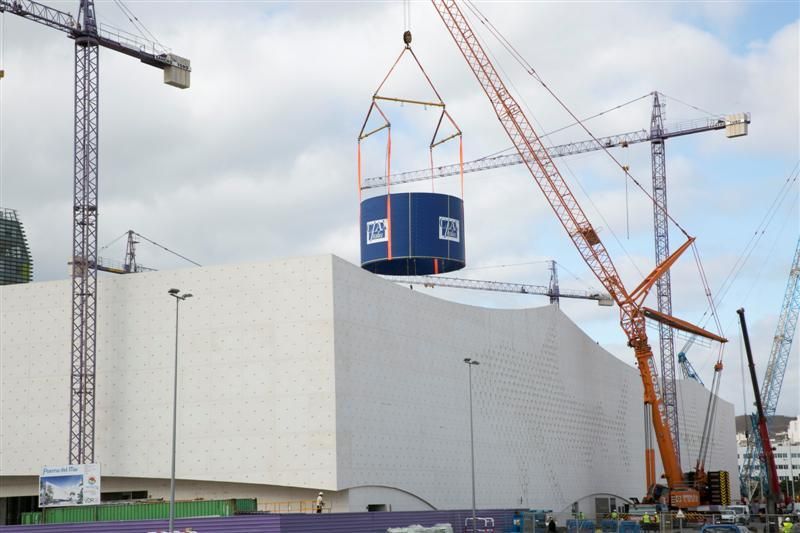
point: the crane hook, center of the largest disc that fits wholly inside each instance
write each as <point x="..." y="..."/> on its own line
<point x="407" y="37"/>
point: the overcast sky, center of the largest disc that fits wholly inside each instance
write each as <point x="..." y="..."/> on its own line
<point x="257" y="160"/>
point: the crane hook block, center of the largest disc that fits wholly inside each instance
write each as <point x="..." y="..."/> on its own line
<point x="407" y="37"/>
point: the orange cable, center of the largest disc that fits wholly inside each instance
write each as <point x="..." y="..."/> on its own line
<point x="389" y="194"/>
<point x="359" y="172"/>
<point x="432" y="180"/>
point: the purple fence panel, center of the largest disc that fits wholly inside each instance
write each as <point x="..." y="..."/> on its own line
<point x="285" y="523"/>
<point x="228" y="524"/>
<point x="379" y="522"/>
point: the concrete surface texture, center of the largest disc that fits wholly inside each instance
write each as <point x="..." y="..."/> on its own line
<point x="311" y="374"/>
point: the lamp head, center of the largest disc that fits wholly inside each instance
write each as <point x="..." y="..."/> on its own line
<point x="189" y="295"/>
<point x="174" y="292"/>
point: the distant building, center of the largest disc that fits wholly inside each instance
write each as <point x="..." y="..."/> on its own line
<point x="786" y="446"/>
<point x="16" y="265"/>
<point x="794" y="431"/>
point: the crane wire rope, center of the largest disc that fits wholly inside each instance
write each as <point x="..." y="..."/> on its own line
<point x="761" y="228"/>
<point x="151" y="242"/>
<point x="760" y="271"/>
<point x="167" y="249"/>
<point x="690" y="105"/>
<point x="138" y="24"/>
<point x="535" y="75"/>
<point x="532" y="72"/>
<point x="564" y="164"/>
<point x="561" y="266"/>
<point x="765" y="261"/>
<point x="562" y="128"/>
<point x="112" y="242"/>
<point x="751" y="245"/>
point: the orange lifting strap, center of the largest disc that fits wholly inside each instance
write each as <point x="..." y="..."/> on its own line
<point x="359" y="171"/>
<point x="389" y="194"/>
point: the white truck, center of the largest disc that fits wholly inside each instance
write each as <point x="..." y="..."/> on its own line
<point x="735" y="514"/>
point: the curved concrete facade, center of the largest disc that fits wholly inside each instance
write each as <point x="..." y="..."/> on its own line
<point x="312" y="374"/>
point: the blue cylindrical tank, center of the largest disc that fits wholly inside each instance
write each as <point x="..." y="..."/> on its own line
<point x="412" y="234"/>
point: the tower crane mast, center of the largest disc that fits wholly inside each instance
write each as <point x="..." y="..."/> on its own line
<point x="585" y="238"/>
<point x="89" y="37"/>
<point x="658" y="162"/>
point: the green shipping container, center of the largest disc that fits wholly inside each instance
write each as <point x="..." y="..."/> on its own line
<point x="160" y="510"/>
<point x="140" y="511"/>
<point x="31" y="518"/>
<point x="245" y="505"/>
<point x="70" y="515"/>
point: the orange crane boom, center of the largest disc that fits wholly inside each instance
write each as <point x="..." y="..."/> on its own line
<point x="540" y="164"/>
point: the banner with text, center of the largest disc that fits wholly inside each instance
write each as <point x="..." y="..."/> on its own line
<point x="62" y="486"/>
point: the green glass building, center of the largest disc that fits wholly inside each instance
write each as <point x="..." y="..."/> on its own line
<point x="16" y="265"/>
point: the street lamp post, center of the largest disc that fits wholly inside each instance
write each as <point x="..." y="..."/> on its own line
<point x="470" y="363"/>
<point x="175" y="293"/>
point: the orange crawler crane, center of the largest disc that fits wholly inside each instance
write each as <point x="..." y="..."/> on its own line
<point x="686" y="490"/>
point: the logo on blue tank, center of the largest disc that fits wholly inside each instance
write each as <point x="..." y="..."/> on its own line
<point x="449" y="229"/>
<point x="377" y="231"/>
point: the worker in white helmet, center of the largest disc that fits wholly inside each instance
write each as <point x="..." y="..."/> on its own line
<point x="787" y="525"/>
<point x="320" y="503"/>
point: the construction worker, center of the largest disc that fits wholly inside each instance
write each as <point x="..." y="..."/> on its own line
<point x="614" y="514"/>
<point x="646" y="521"/>
<point x="787" y="525"/>
<point x="320" y="503"/>
<point x="655" y="520"/>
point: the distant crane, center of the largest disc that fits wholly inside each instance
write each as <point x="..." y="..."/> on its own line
<point x="773" y="378"/>
<point x="501" y="286"/>
<point x="130" y="265"/>
<point x="735" y="125"/>
<point x="688" y="370"/>
<point x="89" y="36"/>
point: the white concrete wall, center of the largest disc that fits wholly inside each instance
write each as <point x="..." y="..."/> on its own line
<point x="556" y="416"/>
<point x="692" y="400"/>
<point x="312" y="374"/>
<point x="256" y="401"/>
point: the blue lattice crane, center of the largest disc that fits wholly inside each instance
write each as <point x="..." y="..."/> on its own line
<point x="89" y="36"/>
<point x="753" y="465"/>
<point x="687" y="369"/>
